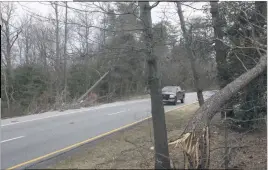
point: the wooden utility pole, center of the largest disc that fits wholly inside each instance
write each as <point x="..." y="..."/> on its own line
<point x="92" y="87"/>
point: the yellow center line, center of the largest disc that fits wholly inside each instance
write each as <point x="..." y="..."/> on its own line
<point x="88" y="140"/>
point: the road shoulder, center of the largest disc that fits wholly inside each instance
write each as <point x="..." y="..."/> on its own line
<point x="124" y="149"/>
<point x="129" y="148"/>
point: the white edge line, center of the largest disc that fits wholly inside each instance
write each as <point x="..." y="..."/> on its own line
<point x="67" y="114"/>
<point x="90" y="109"/>
<point x="116" y="112"/>
<point x="115" y="130"/>
<point x="63" y="115"/>
<point x="39" y="118"/>
<point x="12" y="139"/>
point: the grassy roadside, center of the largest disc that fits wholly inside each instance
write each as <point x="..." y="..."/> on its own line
<point x="126" y="149"/>
<point x="130" y="148"/>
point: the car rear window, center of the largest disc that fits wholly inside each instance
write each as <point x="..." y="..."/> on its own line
<point x="169" y="89"/>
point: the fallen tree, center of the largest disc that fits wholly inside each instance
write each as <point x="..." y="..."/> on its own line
<point x="214" y="104"/>
<point x="195" y="139"/>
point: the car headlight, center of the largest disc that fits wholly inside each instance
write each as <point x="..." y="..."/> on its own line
<point x="172" y="96"/>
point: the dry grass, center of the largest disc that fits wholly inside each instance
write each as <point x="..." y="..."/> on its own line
<point x="248" y="149"/>
<point x="130" y="148"/>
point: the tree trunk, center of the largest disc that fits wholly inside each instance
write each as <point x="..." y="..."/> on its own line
<point x="20" y="53"/>
<point x="221" y="51"/>
<point x="43" y="56"/>
<point x="10" y="40"/>
<point x="261" y="8"/>
<point x="8" y="57"/>
<point x="87" y="34"/>
<point x="214" y="104"/>
<point x="7" y="75"/>
<point x="103" y="33"/>
<point x="220" y="47"/>
<point x="42" y="49"/>
<point x="26" y="48"/>
<point x="200" y="97"/>
<point x="65" y="53"/>
<point x="197" y="128"/>
<point x="160" y="134"/>
<point x="6" y="93"/>
<point x="190" y="55"/>
<point x="226" y="149"/>
<point x="58" y="67"/>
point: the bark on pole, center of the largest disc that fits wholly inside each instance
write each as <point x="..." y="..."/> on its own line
<point x="159" y="125"/>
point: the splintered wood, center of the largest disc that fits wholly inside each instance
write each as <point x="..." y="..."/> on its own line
<point x="195" y="149"/>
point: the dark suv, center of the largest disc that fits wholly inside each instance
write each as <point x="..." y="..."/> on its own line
<point x="171" y="94"/>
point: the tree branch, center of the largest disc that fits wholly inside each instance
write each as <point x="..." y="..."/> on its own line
<point x="192" y="7"/>
<point x="241" y="62"/>
<point x="154" y="5"/>
<point x="16" y="37"/>
<point x="214" y="104"/>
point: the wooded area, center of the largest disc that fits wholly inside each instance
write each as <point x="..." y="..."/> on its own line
<point x="51" y="62"/>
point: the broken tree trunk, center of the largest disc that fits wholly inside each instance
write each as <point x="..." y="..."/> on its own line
<point x="214" y="103"/>
<point x="92" y="87"/>
<point x="194" y="141"/>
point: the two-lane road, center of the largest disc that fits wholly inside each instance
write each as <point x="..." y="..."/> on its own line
<point x="26" y="138"/>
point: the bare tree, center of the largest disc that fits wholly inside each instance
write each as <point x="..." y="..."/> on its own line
<point x="162" y="160"/>
<point x="214" y="104"/>
<point x="84" y="35"/>
<point x="20" y="47"/>
<point x="57" y="34"/>
<point x="198" y="126"/>
<point x="190" y="54"/>
<point x="27" y="37"/>
<point x="10" y="36"/>
<point x="65" y="51"/>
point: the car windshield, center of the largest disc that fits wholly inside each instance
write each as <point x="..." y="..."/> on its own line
<point x="169" y="89"/>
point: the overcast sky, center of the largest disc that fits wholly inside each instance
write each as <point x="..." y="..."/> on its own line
<point x="165" y="10"/>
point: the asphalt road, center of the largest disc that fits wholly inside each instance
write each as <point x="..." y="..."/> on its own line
<point x="26" y="138"/>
